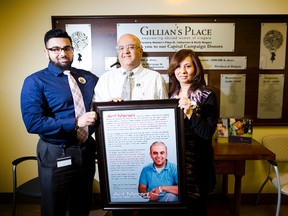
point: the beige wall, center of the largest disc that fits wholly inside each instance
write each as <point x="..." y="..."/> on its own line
<point x="23" y="24"/>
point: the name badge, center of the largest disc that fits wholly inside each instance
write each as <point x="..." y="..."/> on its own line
<point x="64" y="161"/>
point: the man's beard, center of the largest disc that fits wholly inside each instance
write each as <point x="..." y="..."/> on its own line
<point x="62" y="66"/>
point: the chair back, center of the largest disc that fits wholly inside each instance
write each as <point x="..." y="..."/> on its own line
<point x="277" y="143"/>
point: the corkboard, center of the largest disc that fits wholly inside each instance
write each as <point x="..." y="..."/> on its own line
<point x="247" y="43"/>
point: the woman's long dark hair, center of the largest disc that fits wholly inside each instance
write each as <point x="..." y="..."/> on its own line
<point x="198" y="80"/>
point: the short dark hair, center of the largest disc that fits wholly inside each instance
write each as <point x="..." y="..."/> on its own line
<point x="56" y="33"/>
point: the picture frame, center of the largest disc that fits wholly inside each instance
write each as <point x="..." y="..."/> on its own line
<point x="240" y="130"/>
<point x="124" y="134"/>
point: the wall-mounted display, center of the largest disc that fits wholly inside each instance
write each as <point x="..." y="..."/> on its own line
<point x="248" y="45"/>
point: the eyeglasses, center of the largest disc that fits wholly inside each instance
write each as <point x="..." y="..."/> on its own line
<point x="57" y="50"/>
<point x="130" y="47"/>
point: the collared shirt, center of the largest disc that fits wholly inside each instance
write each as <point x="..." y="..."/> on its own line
<point x="146" y="85"/>
<point x="47" y="104"/>
<point x="152" y="179"/>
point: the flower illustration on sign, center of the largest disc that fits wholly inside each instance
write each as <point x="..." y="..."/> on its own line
<point x="80" y="42"/>
<point x="273" y="40"/>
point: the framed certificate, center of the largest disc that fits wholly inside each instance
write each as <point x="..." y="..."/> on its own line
<point x="140" y="149"/>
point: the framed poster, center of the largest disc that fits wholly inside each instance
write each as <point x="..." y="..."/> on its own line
<point x="138" y="143"/>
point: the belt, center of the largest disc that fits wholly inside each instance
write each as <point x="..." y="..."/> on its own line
<point x="67" y="144"/>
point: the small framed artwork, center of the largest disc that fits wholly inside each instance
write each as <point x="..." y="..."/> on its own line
<point x="140" y="148"/>
<point x="222" y="130"/>
<point x="240" y="130"/>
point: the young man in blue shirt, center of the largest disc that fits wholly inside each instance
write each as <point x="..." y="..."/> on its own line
<point x="66" y="165"/>
<point x="159" y="179"/>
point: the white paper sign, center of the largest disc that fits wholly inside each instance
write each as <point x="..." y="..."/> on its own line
<point x="273" y="45"/>
<point x="128" y="137"/>
<point x="270" y="96"/>
<point x="224" y="62"/>
<point x="171" y="37"/>
<point x="153" y="63"/>
<point x="81" y="41"/>
<point x="232" y="95"/>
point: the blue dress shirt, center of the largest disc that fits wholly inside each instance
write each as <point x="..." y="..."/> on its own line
<point x="47" y="103"/>
<point x="152" y="179"/>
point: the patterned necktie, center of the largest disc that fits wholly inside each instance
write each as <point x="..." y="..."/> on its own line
<point x="126" y="90"/>
<point x="82" y="133"/>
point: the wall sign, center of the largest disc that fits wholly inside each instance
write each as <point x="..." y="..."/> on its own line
<point x="232" y="98"/>
<point x="270" y="96"/>
<point x="171" y="37"/>
<point x="82" y="43"/>
<point x="224" y="62"/>
<point x="153" y="63"/>
<point x="273" y="45"/>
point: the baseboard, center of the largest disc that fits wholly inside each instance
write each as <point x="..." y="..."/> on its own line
<point x="250" y="199"/>
<point x="7" y="198"/>
<point x="264" y="199"/>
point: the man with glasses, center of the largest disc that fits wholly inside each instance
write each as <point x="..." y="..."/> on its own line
<point x="66" y="160"/>
<point x="144" y="84"/>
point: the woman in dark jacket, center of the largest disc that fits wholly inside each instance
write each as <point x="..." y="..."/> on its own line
<point x="199" y="104"/>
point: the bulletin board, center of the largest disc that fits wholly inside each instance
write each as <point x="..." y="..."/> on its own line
<point x="247" y="45"/>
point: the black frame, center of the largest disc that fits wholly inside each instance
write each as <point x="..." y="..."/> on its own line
<point x="103" y="108"/>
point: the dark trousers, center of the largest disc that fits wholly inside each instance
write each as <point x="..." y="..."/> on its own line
<point x="70" y="187"/>
<point x="197" y="206"/>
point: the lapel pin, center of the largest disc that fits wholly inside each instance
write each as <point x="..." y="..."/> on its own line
<point x="82" y="80"/>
